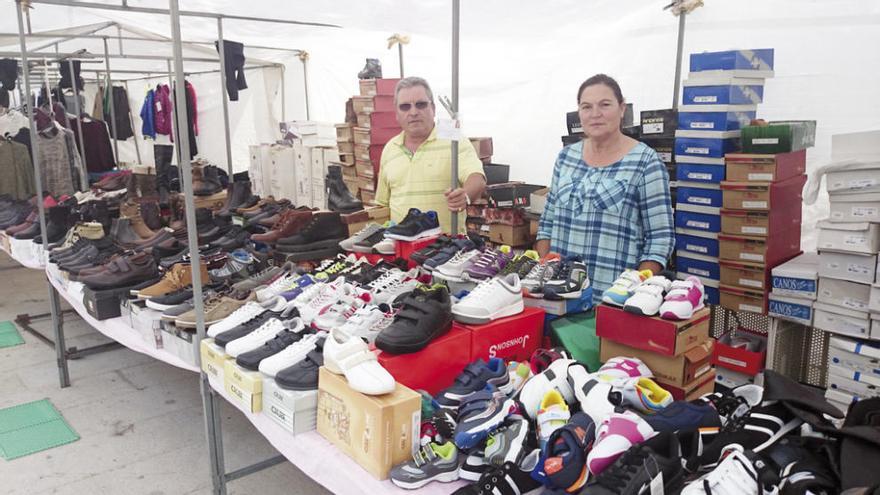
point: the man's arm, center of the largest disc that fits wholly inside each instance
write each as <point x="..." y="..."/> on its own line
<point x="473" y="187"/>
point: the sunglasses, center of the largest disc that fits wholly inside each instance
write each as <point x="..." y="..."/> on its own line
<point x="406" y="107"/>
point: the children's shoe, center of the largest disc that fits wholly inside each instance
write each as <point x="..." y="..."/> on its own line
<point x="554" y="377"/>
<point x="623" y="368"/>
<point x="511" y="478"/>
<point x="552" y="415"/>
<point x="431" y="463"/>
<point x="519" y="373"/>
<point x="684" y="298"/>
<point x="565" y="457"/>
<point x="479" y="415"/>
<point x="617" y="433"/>
<point x="568" y="282"/>
<point x="475" y="377"/>
<point x="624" y="287"/>
<point x="540" y="274"/>
<point x="508" y="442"/>
<point x="643" y="394"/>
<point x="648" y="297"/>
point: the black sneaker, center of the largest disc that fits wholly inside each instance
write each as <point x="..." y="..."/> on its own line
<point x="304" y="374"/>
<point x="521" y="266"/>
<point x="324" y="231"/>
<point x="804" y="465"/>
<point x="162" y="303"/>
<point x="633" y="473"/>
<point x="422" y="255"/>
<point x="416" y="225"/>
<point x="425" y="315"/>
<point x="251" y="360"/>
<point x="568" y="282"/>
<point x="509" y="479"/>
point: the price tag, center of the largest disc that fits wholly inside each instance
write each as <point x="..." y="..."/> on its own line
<point x="449" y="129"/>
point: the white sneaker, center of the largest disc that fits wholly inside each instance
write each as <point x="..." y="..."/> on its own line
<point x="392" y="284"/>
<point x="368" y="321"/>
<point x="246" y="313"/>
<point x="348" y="355"/>
<point x="555" y="376"/>
<point x="455" y="267"/>
<point x="337" y="313"/>
<point x="385" y="246"/>
<point x="648" y="296"/>
<point x="281" y="284"/>
<point x="683" y="299"/>
<point x="623" y="288"/>
<point x="307" y="294"/>
<point x="591" y="393"/>
<point x="290" y="355"/>
<point x="326" y="297"/>
<point x="736" y="474"/>
<point x="492" y="299"/>
<point x="618" y="370"/>
<point x="266" y="332"/>
<point x="370" y="229"/>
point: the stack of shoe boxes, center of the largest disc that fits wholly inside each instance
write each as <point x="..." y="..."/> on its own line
<point x="376" y="125"/>
<point x="658" y="131"/>
<point x="314" y="147"/>
<point x="261" y="181"/>
<point x="679" y="353"/>
<point x="345" y="147"/>
<point x="853" y="371"/>
<point x="849" y="240"/>
<point x="795" y="285"/>
<point x="719" y="97"/>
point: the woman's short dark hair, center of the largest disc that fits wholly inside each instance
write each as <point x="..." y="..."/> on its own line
<point x="601" y="79"/>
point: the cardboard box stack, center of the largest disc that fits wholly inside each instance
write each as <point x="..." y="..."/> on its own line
<point x="853" y="371"/>
<point x="719" y="97"/>
<point x="501" y="217"/>
<point x="679" y="353"/>
<point x="376" y="125"/>
<point x="794" y="289"/>
<point x="849" y="288"/>
<point x="345" y="147"/>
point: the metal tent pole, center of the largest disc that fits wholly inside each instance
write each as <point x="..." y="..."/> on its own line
<point x="54" y="306"/>
<point x="304" y="56"/>
<point x="456" y="19"/>
<point x="225" y="95"/>
<point x="137" y="146"/>
<point x="212" y="418"/>
<point x="82" y="145"/>
<point x="283" y="94"/>
<point x="112" y="105"/>
<point x="400" y="55"/>
<point x="678" y="54"/>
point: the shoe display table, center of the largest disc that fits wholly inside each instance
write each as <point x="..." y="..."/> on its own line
<point x="24" y="252"/>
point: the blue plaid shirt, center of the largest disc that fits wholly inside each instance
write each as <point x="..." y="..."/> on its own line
<point x="611" y="217"/>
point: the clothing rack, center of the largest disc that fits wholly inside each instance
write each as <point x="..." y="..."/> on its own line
<point x="210" y="398"/>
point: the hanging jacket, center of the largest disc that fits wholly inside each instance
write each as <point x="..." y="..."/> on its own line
<point x="162" y="115"/>
<point x="194" y="111"/>
<point x="121" y="110"/>
<point x="148" y="114"/>
<point x="98" y="109"/>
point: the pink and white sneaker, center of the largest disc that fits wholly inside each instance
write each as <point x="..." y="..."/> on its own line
<point x="617" y="433"/>
<point x="622" y="369"/>
<point x="683" y="299"/>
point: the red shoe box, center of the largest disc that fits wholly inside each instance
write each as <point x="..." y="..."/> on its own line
<point x="652" y="333"/>
<point x="693" y="390"/>
<point x="434" y="367"/>
<point x="405" y="248"/>
<point x="384" y="120"/>
<point x="741" y="360"/>
<point x="514" y="338"/>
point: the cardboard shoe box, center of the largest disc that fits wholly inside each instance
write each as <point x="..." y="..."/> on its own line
<point x="740" y="299"/>
<point x="797" y="277"/>
<point x="852" y="361"/>
<point x="861" y="238"/>
<point x="377" y="87"/>
<point x="865" y="179"/>
<point x="760" y="223"/>
<point x="676" y="370"/>
<point x="745" y="275"/>
<point x="378" y="431"/>
<point x="693" y="390"/>
<point x="750" y="362"/>
<point x="790" y="308"/>
<point x="214" y="360"/>
<point x="436" y="366"/>
<point x="670" y="338"/>
<point x="848" y="266"/>
<point x="514" y="338"/>
<point x="843" y="293"/>
<point x="763" y="195"/>
<point x="855" y="207"/>
<point x="295" y="410"/>
<point x="780" y="246"/>
<point x="840" y="320"/>
<point x="245" y="387"/>
<point x="513" y="236"/>
<point x="742" y="167"/>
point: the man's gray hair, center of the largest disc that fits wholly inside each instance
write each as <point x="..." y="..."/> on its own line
<point x="410" y="82"/>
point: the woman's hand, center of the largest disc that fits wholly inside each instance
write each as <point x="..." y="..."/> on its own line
<point x="542" y="247"/>
<point x="655" y="267"/>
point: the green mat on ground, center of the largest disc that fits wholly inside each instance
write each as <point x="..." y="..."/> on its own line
<point x="32" y="427"/>
<point x="577" y="333"/>
<point x="9" y="335"/>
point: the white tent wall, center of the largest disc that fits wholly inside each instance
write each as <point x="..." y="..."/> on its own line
<point x="521" y="62"/>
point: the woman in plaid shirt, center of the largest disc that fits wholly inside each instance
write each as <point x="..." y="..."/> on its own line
<point x="609" y="200"/>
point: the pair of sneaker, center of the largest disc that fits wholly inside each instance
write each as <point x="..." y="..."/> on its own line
<point x="646" y="294"/>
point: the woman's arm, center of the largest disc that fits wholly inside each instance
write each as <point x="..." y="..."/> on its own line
<point x="548" y="217"/>
<point x="655" y="210"/>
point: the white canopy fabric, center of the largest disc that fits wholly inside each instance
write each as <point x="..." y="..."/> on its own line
<point x="522" y="62"/>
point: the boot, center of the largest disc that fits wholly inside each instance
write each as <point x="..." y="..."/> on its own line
<point x="147" y="185"/>
<point x="339" y="198"/>
<point x="132" y="212"/>
<point x="372" y="69"/>
<point x="57" y="225"/>
<point x="150" y="214"/>
<point x="206" y="181"/>
<point x="123" y="233"/>
<point x="240" y="192"/>
<point x="163" y="154"/>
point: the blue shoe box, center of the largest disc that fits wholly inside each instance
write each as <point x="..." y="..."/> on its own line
<point x="698" y="172"/>
<point x="755" y="60"/>
<point x="699" y="196"/>
<point x="704" y="246"/>
<point x="700" y="266"/>
<point x="791" y="308"/>
<point x="705" y="147"/>
<point x="713" y="295"/>
<point x="697" y="221"/>
<point x="699" y="118"/>
<point x="722" y="94"/>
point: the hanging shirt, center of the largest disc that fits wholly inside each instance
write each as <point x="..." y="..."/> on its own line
<point x="55" y="162"/>
<point x="162" y="110"/>
<point x="16" y="173"/>
<point x="148" y="114"/>
<point x="96" y="139"/>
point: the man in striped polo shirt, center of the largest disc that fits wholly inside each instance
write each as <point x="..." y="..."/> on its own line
<point x="415" y="169"/>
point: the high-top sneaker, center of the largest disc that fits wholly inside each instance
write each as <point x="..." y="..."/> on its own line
<point x="325" y="230"/>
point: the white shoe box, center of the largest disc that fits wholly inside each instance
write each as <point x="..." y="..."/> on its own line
<point x="849" y="237"/>
<point x="855" y="207"/>
<point x="181" y="344"/>
<point x="843" y="293"/>
<point x="797" y="277"/>
<point x="856" y="145"/>
<point x="840" y="320"/>
<point x="861" y="385"/>
<point x="853" y="362"/>
<point x="874" y="299"/>
<point x="296" y="411"/>
<point x="733" y="379"/>
<point x="859" y="268"/>
<point x="870" y="350"/>
<point x="859" y="178"/>
<point x="214" y="360"/>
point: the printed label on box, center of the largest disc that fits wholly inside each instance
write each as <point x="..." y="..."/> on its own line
<point x="697" y="271"/>
<point x="699" y="225"/>
<point x="855" y="268"/>
<point x="751" y="283"/>
<point x="705" y="99"/>
<point x="666" y="157"/>
<point x="854" y="303"/>
<point x="754" y="230"/>
<point x="754" y="204"/>
<point x="697" y="151"/>
<point x="694" y="175"/>
<point x="698" y="249"/>
<point x="765" y="141"/>
<point x="794" y="284"/>
<point x="749" y="307"/>
<point x="861" y="183"/>
<point x="796" y="311"/>
<point x="764" y="177"/>
<point x="729" y="360"/>
<point x="863" y="211"/>
<point x="701" y="201"/>
<point x="703" y="125"/>
<point x="854" y="240"/>
<point x="751" y="257"/>
<point x="653" y="128"/>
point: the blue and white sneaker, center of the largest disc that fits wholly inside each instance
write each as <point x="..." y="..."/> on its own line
<point x="298" y="287"/>
<point x="414" y="226"/>
<point x="474" y="377"/>
<point x="480" y="414"/>
<point x="624" y="287"/>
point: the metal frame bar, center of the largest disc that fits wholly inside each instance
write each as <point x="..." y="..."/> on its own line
<point x="91" y="35"/>
<point x="224" y="95"/>
<point x="109" y="87"/>
<point x="678" y="54"/>
<point x="456" y="23"/>
<point x="84" y="176"/>
<point x="24" y="321"/>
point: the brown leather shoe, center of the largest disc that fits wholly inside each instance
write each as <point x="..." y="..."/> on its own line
<point x="288" y="224"/>
<point x="178" y="277"/>
<point x="122" y="271"/>
<point x="217" y="307"/>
